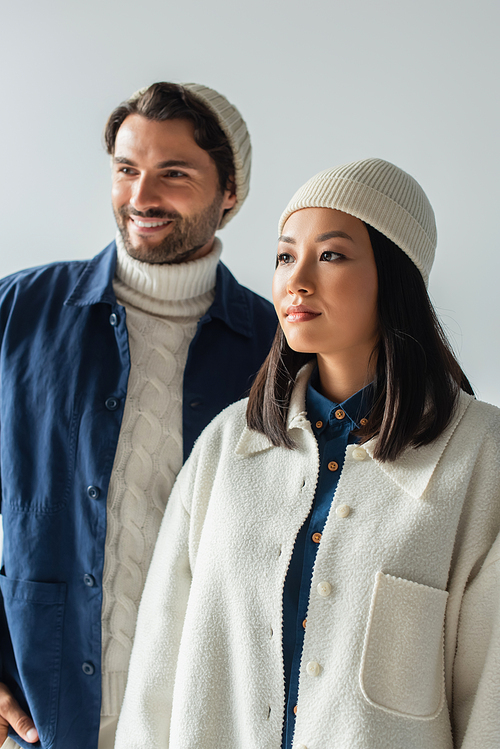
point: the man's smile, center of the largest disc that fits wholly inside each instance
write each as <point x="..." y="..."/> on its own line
<point x="144" y="223"/>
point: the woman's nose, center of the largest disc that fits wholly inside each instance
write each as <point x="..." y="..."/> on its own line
<point x="300" y="281"/>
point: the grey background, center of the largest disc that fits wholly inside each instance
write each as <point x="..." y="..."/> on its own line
<point x="319" y="83"/>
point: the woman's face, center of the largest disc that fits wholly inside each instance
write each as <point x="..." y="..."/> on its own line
<point x="325" y="285"/>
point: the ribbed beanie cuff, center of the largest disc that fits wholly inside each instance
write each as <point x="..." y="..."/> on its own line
<point x="381" y="195"/>
<point x="234" y="128"/>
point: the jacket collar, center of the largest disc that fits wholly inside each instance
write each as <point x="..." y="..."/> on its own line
<point x="231" y="303"/>
<point x="411" y="472"/>
<point x="96" y="282"/>
<point x="252" y="442"/>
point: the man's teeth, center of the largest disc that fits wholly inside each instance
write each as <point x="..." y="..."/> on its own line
<point x="149" y="224"/>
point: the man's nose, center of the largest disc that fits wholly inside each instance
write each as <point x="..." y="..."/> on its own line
<point x="145" y="194"/>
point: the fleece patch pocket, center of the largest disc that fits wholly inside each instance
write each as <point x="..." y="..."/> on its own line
<point x="402" y="668"/>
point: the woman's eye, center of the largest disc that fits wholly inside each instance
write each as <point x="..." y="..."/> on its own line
<point x="284" y="258"/>
<point x="329" y="255"/>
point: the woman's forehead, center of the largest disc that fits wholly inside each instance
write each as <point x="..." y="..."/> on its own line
<point x="316" y="223"/>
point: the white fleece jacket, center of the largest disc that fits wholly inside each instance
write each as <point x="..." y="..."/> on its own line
<point x="402" y="648"/>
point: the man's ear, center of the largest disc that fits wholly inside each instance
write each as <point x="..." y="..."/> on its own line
<point x="229" y="198"/>
<point x="231" y="184"/>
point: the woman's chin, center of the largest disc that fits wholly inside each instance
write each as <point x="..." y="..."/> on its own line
<point x="301" y="348"/>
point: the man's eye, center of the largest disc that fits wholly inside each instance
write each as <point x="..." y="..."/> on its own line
<point x="284" y="258"/>
<point x="174" y="173"/>
<point x="329" y="255"/>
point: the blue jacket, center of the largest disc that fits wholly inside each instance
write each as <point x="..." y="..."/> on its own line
<point x="64" y="366"/>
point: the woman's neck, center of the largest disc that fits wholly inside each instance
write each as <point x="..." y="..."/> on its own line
<point x="341" y="377"/>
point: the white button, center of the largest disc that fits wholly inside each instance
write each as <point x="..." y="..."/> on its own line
<point x="343" y="511"/>
<point x="359" y="453"/>
<point x="324" y="588"/>
<point x="313" y="668"/>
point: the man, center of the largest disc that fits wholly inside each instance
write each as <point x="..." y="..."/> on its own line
<point x="110" y="369"/>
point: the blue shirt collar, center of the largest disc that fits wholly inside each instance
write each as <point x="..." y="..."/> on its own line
<point x="322" y="410"/>
<point x="231" y="303"/>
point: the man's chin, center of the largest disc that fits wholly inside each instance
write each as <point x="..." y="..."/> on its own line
<point x="152" y="255"/>
<point x="159" y="253"/>
<point x="145" y="252"/>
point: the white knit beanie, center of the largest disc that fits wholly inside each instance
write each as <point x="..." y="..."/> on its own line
<point x="234" y="128"/>
<point x="383" y="196"/>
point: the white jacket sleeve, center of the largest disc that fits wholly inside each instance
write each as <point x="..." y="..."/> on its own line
<point x="476" y="678"/>
<point x="145" y="717"/>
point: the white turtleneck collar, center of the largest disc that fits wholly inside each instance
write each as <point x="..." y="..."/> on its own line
<point x="167" y="289"/>
<point x="168" y="281"/>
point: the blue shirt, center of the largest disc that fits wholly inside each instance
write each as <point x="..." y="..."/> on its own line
<point x="64" y="367"/>
<point x="332" y="424"/>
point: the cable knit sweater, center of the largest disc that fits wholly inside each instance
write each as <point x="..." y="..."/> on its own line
<point x="163" y="304"/>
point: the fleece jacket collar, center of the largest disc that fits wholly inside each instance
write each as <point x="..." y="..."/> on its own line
<point x="412" y="471"/>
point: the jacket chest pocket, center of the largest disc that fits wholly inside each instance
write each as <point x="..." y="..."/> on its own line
<point x="38" y="460"/>
<point x="402" y="669"/>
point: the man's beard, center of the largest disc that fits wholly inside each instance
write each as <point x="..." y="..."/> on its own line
<point x="187" y="236"/>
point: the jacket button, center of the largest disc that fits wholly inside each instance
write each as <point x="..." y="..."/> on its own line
<point x="339" y="414"/>
<point x="112" y="403"/>
<point x="313" y="668"/>
<point x="359" y="453"/>
<point x="93" y="492"/>
<point x="88" y="668"/>
<point x="319" y="424"/>
<point x="343" y="511"/>
<point x="324" y="589"/>
<point x="89" y="580"/>
<point x="113" y="319"/>
<point x="333" y="465"/>
<point x="316" y="537"/>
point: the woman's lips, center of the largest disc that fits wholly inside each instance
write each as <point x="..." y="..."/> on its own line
<point x="300" y="313"/>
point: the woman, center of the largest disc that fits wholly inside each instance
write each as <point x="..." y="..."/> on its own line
<point x="327" y="570"/>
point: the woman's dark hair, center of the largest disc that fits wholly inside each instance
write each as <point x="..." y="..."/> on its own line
<point x="417" y="379"/>
<point x="171" y="101"/>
